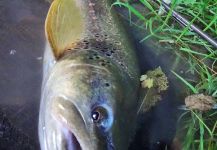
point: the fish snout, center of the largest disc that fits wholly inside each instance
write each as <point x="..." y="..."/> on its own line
<point x="64" y="127"/>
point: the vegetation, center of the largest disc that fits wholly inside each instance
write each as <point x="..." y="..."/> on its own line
<point x="155" y="82"/>
<point x="200" y="127"/>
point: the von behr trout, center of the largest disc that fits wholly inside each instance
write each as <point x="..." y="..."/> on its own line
<point x="91" y="78"/>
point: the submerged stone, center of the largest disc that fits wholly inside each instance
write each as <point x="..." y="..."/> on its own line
<point x="199" y="102"/>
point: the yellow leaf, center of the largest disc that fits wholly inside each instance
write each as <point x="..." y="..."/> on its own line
<point x="148" y="83"/>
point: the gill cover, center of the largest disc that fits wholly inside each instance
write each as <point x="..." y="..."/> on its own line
<point x="64" y="25"/>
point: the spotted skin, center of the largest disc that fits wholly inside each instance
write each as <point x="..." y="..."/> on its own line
<point x="98" y="72"/>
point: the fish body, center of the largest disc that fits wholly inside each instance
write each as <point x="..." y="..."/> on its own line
<point x="91" y="79"/>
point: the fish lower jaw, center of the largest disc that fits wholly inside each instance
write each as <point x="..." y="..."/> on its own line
<point x="74" y="144"/>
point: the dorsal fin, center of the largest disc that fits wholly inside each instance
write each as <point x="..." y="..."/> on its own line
<point x="64" y="25"/>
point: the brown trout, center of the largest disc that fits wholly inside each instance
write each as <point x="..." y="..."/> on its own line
<point x="91" y="78"/>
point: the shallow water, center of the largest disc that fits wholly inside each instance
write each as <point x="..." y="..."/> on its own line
<point x="158" y="126"/>
<point x="21" y="49"/>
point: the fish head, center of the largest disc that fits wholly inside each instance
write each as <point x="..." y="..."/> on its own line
<point x="87" y="107"/>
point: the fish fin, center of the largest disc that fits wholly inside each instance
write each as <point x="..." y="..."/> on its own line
<point x="64" y="25"/>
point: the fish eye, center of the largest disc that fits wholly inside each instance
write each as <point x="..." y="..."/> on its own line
<point x="102" y="117"/>
<point x="99" y="114"/>
<point x="95" y="116"/>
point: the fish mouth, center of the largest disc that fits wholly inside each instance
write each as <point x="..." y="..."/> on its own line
<point x="69" y="124"/>
<point x="74" y="143"/>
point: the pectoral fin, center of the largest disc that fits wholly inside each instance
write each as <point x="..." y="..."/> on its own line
<point x="64" y="25"/>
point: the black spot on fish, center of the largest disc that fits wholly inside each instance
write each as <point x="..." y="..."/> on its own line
<point x="108" y="54"/>
<point x="105" y="48"/>
<point x="102" y="64"/>
<point x="105" y="36"/>
<point x="97" y="35"/>
<point x="97" y="57"/>
<point x="85" y="44"/>
<point x="107" y="84"/>
<point x="90" y="57"/>
<point x="85" y="41"/>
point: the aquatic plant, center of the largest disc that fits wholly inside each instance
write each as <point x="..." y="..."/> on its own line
<point x="154" y="83"/>
<point x="200" y="128"/>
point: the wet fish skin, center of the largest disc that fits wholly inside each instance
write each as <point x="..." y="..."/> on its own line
<point x="95" y="74"/>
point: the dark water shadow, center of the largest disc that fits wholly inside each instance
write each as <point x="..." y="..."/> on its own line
<point x="21" y="50"/>
<point x="157" y="127"/>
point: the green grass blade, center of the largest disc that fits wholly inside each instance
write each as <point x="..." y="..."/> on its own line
<point x="194" y="90"/>
<point x="146" y="3"/>
<point x="201" y="121"/>
<point x="201" y="134"/>
<point x="132" y="9"/>
<point x="197" y="53"/>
